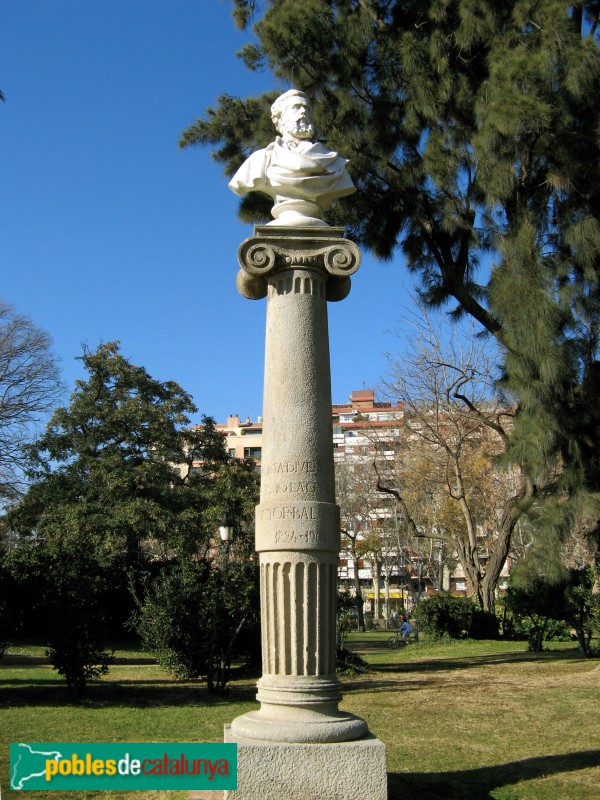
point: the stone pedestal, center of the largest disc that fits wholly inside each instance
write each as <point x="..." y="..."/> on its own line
<point x="283" y="771"/>
<point x="285" y="748"/>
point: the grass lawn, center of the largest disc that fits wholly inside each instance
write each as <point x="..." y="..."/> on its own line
<point x="478" y="720"/>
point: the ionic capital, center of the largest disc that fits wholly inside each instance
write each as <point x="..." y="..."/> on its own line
<point x="275" y="248"/>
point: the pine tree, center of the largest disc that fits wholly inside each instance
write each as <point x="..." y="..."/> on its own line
<point x="472" y="132"/>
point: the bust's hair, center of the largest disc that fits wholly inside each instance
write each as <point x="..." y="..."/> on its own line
<point x="278" y="105"/>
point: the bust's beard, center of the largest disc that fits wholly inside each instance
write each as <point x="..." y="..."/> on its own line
<point x="301" y="130"/>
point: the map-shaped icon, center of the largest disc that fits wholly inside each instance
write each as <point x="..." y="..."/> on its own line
<point x="28" y="764"/>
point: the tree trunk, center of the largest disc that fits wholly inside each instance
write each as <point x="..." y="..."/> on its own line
<point x="359" y="599"/>
<point x="387" y="597"/>
<point x="357" y="590"/>
<point x="512" y="512"/>
<point x="376" y="592"/>
<point x="470" y="563"/>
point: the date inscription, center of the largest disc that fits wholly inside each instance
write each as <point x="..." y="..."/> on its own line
<point x="299" y="537"/>
<point x="297" y="525"/>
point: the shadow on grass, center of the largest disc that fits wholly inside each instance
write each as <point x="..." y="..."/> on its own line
<point x="368" y="683"/>
<point x="114" y="694"/>
<point x="20" y="661"/>
<point x="469" y="662"/>
<point x="405" y="673"/>
<point x="11" y="660"/>
<point x="478" y="784"/>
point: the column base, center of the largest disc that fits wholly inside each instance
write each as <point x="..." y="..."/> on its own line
<point x="299" y="708"/>
<point x="342" y="771"/>
<point x="267" y="725"/>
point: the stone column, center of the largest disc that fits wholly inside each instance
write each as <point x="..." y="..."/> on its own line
<point x="297" y="520"/>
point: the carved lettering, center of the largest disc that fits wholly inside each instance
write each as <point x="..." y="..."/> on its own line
<point x="293" y="487"/>
<point x="286" y="467"/>
<point x="295" y="525"/>
<point x="280" y="513"/>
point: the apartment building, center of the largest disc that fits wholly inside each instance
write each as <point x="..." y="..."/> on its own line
<point x="242" y="439"/>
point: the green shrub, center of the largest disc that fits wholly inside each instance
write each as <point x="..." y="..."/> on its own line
<point x="171" y="621"/>
<point x="343" y="622"/>
<point x="538" y="608"/>
<point x="196" y="618"/>
<point x="537" y="631"/>
<point x="5" y="610"/>
<point x="4" y="627"/>
<point x="78" y="586"/>
<point x="535" y="605"/>
<point x="582" y="606"/>
<point x="27" y="569"/>
<point x="78" y="658"/>
<point x="348" y="663"/>
<point x="444" y="614"/>
<point x="484" y="625"/>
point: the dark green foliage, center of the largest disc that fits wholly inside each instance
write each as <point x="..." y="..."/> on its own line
<point x="471" y="130"/>
<point x="115" y="466"/>
<point x="484" y="625"/>
<point x="200" y="615"/>
<point x="346" y="603"/>
<point x="524" y="628"/>
<point x="106" y="464"/>
<point x="26" y="580"/>
<point x="60" y="592"/>
<point x="547" y="607"/>
<point x="5" y="626"/>
<point x="537" y="603"/>
<point x="79" y="657"/>
<point x="444" y="614"/>
<point x="582" y="606"/>
<point x="349" y="663"/>
<point x="171" y="622"/>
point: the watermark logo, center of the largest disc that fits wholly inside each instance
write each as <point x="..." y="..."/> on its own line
<point x="122" y="766"/>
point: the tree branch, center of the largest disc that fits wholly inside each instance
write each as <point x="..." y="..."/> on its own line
<point x="415" y="532"/>
<point x="485" y="420"/>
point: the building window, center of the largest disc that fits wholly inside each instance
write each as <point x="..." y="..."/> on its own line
<point x="253" y="452"/>
<point x="232" y="452"/>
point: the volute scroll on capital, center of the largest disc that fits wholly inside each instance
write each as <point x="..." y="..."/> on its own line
<point x="259" y="255"/>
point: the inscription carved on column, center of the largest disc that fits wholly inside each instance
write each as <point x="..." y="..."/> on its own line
<point x="290" y="479"/>
<point x="298" y="525"/>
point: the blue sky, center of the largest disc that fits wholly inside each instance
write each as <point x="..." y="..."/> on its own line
<point x="109" y="231"/>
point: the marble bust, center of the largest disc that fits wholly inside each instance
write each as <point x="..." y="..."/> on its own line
<point x="302" y="176"/>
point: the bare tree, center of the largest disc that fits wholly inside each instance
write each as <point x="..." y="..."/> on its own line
<point x="353" y="490"/>
<point x="385" y="548"/>
<point x="29" y="388"/>
<point x="455" y="431"/>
